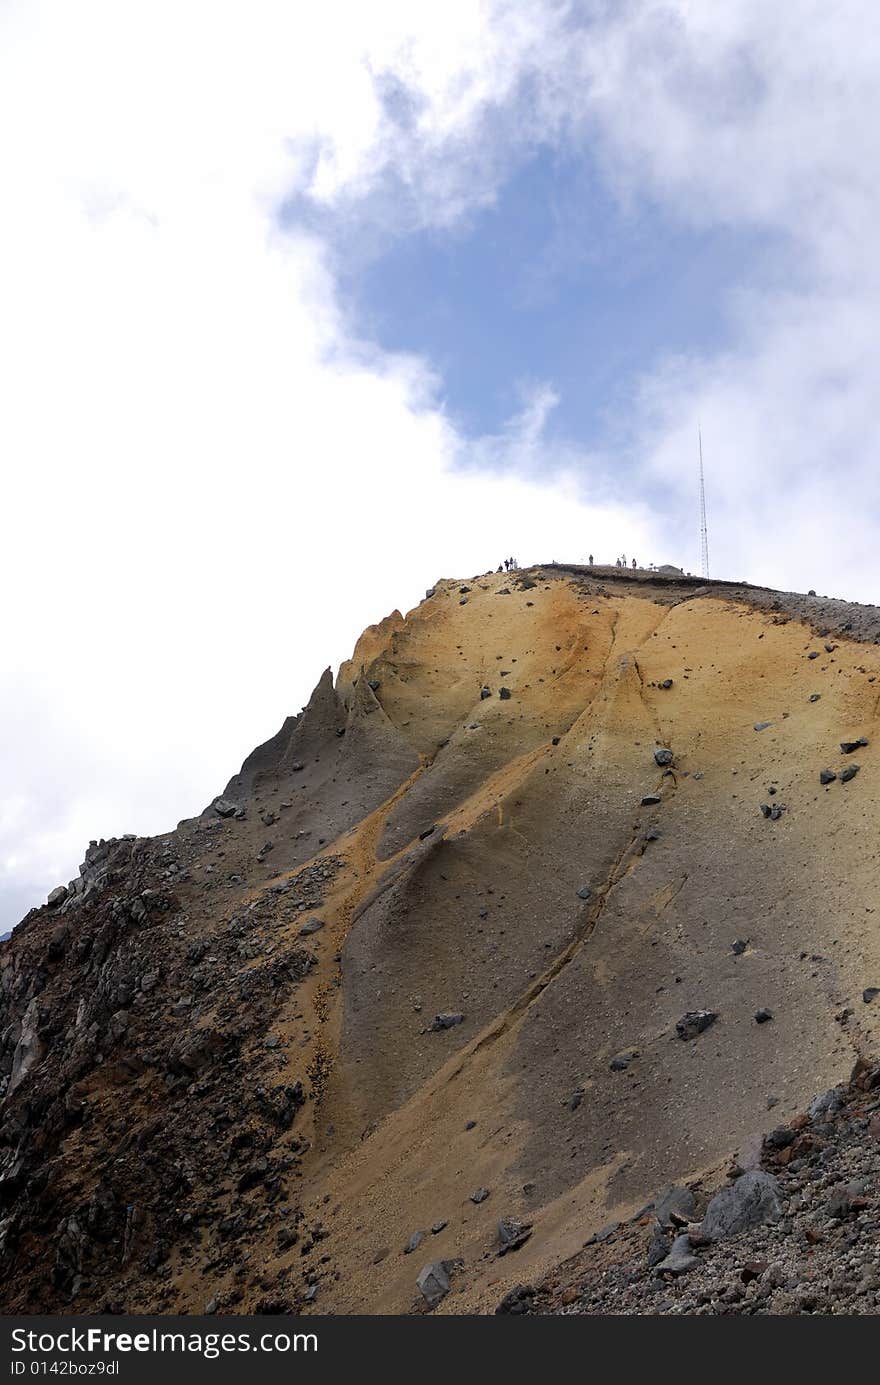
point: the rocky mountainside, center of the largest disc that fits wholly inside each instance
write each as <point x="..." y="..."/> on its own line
<point x="563" y="892"/>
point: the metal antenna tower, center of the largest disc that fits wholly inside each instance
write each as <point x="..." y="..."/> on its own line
<point x="704" y="533"/>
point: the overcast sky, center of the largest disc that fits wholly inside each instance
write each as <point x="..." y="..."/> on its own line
<point x="305" y="306"/>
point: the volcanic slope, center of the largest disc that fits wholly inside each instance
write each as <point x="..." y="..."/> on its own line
<point x="517" y="903"/>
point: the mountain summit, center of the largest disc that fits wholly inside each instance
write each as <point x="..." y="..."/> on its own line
<point x="561" y="892"/>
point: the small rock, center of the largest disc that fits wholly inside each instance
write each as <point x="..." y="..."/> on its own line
<point x="480" y="1195"/>
<point x="849" y="773"/>
<point x="650" y="799"/>
<point x="813" y="654"/>
<point x="680" y="1259"/>
<point x="694" y="1023"/>
<point x="738" y="946"/>
<point x="438" y="1227"/>
<point x="423" y="836"/>
<point x="518" y="1300"/>
<point x="504" y="694"/>
<point x="667" y="683"/>
<point x="513" y="1234"/>
<point x="663" y="755"/>
<point x="448" y="1020"/>
<point x="484" y="693"/>
<point x="584" y="892"/>
<point x="762" y="725"/>
<point x="814" y="697"/>
<point x="849" y="746"/>
<point x="827" y="776"/>
<point x="414" y="1242"/>
<point x="762" y="1016"/>
<point x="312" y="926"/>
<point x="869" y="993"/>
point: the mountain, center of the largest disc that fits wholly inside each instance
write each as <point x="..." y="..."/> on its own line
<point x="539" y="908"/>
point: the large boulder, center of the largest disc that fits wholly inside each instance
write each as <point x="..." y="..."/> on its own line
<point x="748" y="1202"/>
<point x="674" y="1199"/>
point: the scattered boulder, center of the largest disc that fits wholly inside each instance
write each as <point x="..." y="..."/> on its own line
<point x="680" y="1259"/>
<point x="518" y="1300"/>
<point x="224" y="808"/>
<point x="870" y="993"/>
<point x="738" y="946"/>
<point x="57" y="896"/>
<point x="848" y="747"/>
<point x="827" y="776"/>
<point x="513" y="1234"/>
<point x="504" y="694"/>
<point x="849" y="773"/>
<point x="750" y="1201"/>
<point x="433" y="1282"/>
<point x="448" y="1020"/>
<point x="484" y="693"/>
<point x="663" y="756"/>
<point x="650" y="799"/>
<point x="414" y="1242"/>
<point x="694" y="1023"/>
<point x="763" y="1016"/>
<point x="479" y="1195"/>
<point x="762" y="725"/>
<point x="311" y="926"/>
<point x="584" y="892"/>
<point x="621" y="1061"/>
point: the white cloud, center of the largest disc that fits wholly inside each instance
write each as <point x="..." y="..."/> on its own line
<point x="211" y="486"/>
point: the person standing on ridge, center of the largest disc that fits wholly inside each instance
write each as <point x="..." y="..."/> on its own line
<point x="634" y="564"/>
<point x="591" y="560"/>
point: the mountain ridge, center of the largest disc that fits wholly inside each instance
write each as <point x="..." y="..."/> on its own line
<point x="517" y="903"/>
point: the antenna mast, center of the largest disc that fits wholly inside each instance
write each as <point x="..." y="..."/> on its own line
<point x="704" y="533"/>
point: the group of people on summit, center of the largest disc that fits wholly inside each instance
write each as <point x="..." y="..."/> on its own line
<point x="509" y="565"/>
<point x="621" y="562"/>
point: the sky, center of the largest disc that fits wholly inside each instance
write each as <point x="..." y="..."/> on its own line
<point x="305" y="307"/>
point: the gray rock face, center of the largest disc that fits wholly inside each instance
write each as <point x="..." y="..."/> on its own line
<point x="750" y="1201"/>
<point x="433" y="1282"/>
<point x="674" y="1199"/>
